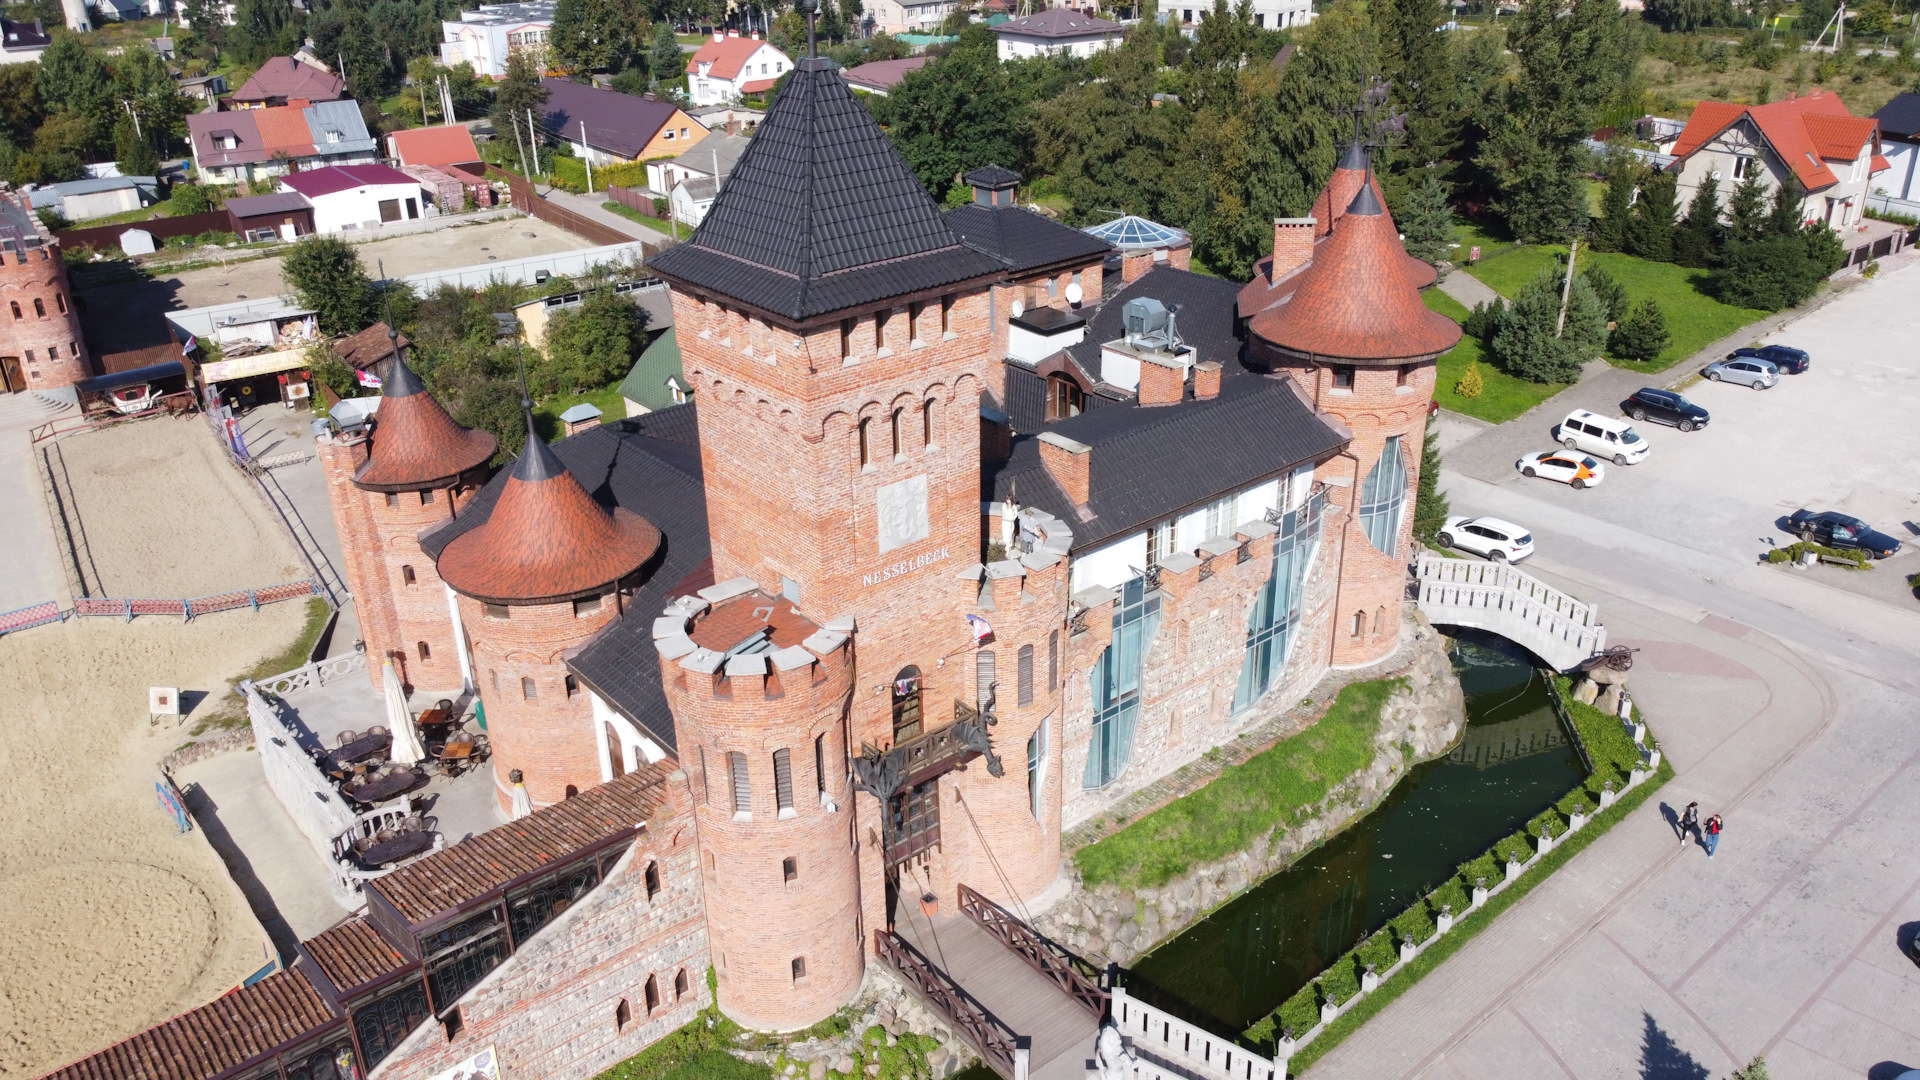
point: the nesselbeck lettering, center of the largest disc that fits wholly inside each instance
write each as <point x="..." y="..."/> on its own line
<point x="905" y="566"/>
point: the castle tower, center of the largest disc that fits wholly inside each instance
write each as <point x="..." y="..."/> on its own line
<point x="1353" y="173"/>
<point x="41" y="346"/>
<point x="837" y="331"/>
<point x="541" y="576"/>
<point x="415" y="469"/>
<point x="1356" y="336"/>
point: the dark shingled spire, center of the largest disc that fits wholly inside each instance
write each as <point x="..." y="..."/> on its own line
<point x="820" y="213"/>
<point x="399" y="380"/>
<point x="536" y="461"/>
<point x="1356" y="156"/>
<point x="1366" y="203"/>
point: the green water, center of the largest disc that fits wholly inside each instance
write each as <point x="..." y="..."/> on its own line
<point x="1239" y="963"/>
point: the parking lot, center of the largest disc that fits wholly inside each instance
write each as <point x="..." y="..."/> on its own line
<point x="1842" y="437"/>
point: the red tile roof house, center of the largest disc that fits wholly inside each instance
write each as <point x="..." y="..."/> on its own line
<point x="283" y="80"/>
<point x="429" y="154"/>
<point x="357" y="196"/>
<point x="730" y="65"/>
<point x="1832" y="153"/>
<point x="249" y="144"/>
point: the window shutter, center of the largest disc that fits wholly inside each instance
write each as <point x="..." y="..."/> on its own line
<point x="742" y="795"/>
<point x="783" y="778"/>
<point x="1026" y="674"/>
<point x="983" y="677"/>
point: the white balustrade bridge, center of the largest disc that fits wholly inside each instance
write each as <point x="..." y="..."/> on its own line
<point x="1495" y="597"/>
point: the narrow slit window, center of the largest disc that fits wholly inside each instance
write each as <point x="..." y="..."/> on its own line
<point x="653" y="880"/>
<point x="789" y="868"/>
<point x="913" y="322"/>
<point x="529" y="689"/>
<point x="39" y="307"/>
<point x="895" y="427"/>
<point x="573" y="686"/>
<point x="1024" y="674"/>
<point x="799" y="968"/>
<point x="783" y="781"/>
<point x="846" y="337"/>
<point x="622" y="1015"/>
<point x="406" y="575"/>
<point x="653" y="994"/>
<point x="926" y="422"/>
<point x="879" y="329"/>
<point x="983" y="677"/>
<point x="16" y="309"/>
<point x="706" y="789"/>
<point x="737" y="771"/>
<point x="946" y="314"/>
<point x="426" y="497"/>
<point x="681" y="984"/>
<point x="866" y="451"/>
<point x="1053" y="661"/>
<point x="820" y="762"/>
<point x="425" y="652"/>
<point x="60" y="301"/>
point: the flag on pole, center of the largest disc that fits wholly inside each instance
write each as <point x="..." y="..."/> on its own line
<point x="367" y="379"/>
<point x="982" y="629"/>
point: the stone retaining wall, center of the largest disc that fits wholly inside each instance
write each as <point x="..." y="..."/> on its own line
<point x="1110" y="924"/>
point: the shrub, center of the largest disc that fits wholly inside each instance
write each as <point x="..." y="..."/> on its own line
<point x="1644" y="334"/>
<point x="1792" y="553"/>
<point x="1612" y="294"/>
<point x="1484" y="320"/>
<point x="192" y="199"/>
<point x="1471" y="384"/>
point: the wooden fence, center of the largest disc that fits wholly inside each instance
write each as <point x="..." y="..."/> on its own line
<point x="637" y="201"/>
<point x="108" y="236"/>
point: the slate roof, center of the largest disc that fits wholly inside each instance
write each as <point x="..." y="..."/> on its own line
<point x="279" y="202"/>
<point x="545" y="539"/>
<point x="991" y="176"/>
<point x="447" y="144"/>
<point x="1355" y="301"/>
<point x="1804" y="131"/>
<point x="1022" y="239"/>
<point x="1203" y="316"/>
<point x="23" y="35"/>
<point x="649" y="464"/>
<point x="415" y="443"/>
<point x="884" y="75"/>
<point x="617" y="123"/>
<point x="230" y="1031"/>
<point x="284" y="77"/>
<point x="1149" y="463"/>
<point x="336" y="178"/>
<point x="820" y="214"/>
<point x="492" y="860"/>
<point x="1900" y="117"/>
<point x="1059" y="23"/>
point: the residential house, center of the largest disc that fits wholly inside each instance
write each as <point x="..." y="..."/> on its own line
<point x="693" y="180"/>
<point x="251" y="144"/>
<point x="1899" y="122"/>
<point x="1267" y="14"/>
<point x="881" y="76"/>
<point x="348" y="197"/>
<point x="731" y="66"/>
<point x="78" y="200"/>
<point x="647" y="294"/>
<point x="656" y="380"/>
<point x="730" y="118"/>
<point x="610" y="128"/>
<point x="448" y="144"/>
<point x="1811" y="139"/>
<point x="485" y="39"/>
<point x="205" y="88"/>
<point x="106" y="11"/>
<point x="910" y="16"/>
<point x="283" y="80"/>
<point x="280" y="215"/>
<point x="1059" y="32"/>
<point x="21" y="42"/>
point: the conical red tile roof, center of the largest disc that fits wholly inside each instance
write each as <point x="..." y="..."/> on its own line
<point x="1355" y="301"/>
<point x="546" y="539"/>
<point x="415" y="443"/>
<point x="1334" y="199"/>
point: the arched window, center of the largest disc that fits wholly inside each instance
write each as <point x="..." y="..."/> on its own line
<point x="652" y="879"/>
<point x="866" y="450"/>
<point x="926" y="422"/>
<point x="895" y="423"/>
<point x="1383" y="496"/>
<point x="60" y="301"/>
<point x="1359" y="623"/>
<point x="906" y="704"/>
<point x="1024" y="678"/>
<point x="39" y="307"/>
<point x="737" y="772"/>
<point x="16" y="309"/>
<point x="528" y="690"/>
<point x="1064" y="398"/>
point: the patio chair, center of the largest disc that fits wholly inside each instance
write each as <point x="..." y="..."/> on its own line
<point x="378" y="729"/>
<point x="345" y="737"/>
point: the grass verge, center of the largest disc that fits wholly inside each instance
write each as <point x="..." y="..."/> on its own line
<point x="1281" y="785"/>
<point x="670" y="228"/>
<point x="1695" y="319"/>
<point x="546" y="415"/>
<point x="232" y="711"/>
<point x="1466" y="931"/>
<point x="1502" y="396"/>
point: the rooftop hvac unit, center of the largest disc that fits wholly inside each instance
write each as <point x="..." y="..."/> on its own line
<point x="1150" y="325"/>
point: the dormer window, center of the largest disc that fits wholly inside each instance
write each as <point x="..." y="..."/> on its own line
<point x="333" y="136"/>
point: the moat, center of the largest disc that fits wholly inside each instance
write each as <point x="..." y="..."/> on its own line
<point x="1239" y="963"/>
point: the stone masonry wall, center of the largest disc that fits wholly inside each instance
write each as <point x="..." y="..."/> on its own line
<point x="1109" y="923"/>
<point x="551" y="1010"/>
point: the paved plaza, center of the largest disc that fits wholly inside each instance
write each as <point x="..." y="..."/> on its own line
<point x="1787" y="701"/>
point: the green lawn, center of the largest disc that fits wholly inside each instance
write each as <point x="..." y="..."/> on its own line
<point x="1490" y="240"/>
<point x="1275" y="788"/>
<point x="676" y="229"/>
<point x="1695" y="319"/>
<point x="546" y="415"/>
<point x="1502" y="397"/>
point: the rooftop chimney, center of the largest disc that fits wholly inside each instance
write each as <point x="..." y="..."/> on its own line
<point x="1135" y="264"/>
<point x="1068" y="462"/>
<point x="1161" y="384"/>
<point x="1292" y="245"/>
<point x="1206" y="380"/>
<point x="719" y="36"/>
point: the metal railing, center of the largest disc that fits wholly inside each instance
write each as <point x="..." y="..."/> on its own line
<point x="1002" y="1050"/>
<point x="1496" y="597"/>
<point x="309" y="676"/>
<point x="1078" y="979"/>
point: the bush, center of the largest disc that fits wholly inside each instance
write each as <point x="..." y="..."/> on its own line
<point x="192" y="199"/>
<point x="1644" y="334"/>
<point x="1612" y="294"/>
<point x="1792" y="553"/>
<point x="1484" y="320"/>
<point x="1471" y="384"/>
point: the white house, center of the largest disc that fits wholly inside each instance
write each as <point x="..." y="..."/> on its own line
<point x="730" y="66"/>
<point x="357" y="196"/>
<point x="910" y="16"/>
<point x="1900" y="140"/>
<point x="690" y="179"/>
<point x="1832" y="153"/>
<point x="1267" y="14"/>
<point x="21" y="42"/>
<point x="1058" y="32"/>
<point x="486" y="38"/>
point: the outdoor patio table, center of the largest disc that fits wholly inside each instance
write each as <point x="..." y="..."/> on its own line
<point x="400" y="847"/>
<point x="374" y="791"/>
<point x="362" y="748"/>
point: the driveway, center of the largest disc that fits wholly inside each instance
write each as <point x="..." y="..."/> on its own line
<point x="1787" y="701"/>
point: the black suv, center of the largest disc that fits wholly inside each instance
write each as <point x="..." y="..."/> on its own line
<point x="1666" y="407"/>
<point x="1837" y="530"/>
<point x="1790" y="360"/>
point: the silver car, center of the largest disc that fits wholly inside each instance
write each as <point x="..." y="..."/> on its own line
<point x="1759" y="374"/>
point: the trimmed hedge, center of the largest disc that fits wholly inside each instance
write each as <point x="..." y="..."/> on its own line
<point x="1792" y="552"/>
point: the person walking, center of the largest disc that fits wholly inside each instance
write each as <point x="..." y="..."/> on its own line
<point x="1712" y="838"/>
<point x="1689" y="821"/>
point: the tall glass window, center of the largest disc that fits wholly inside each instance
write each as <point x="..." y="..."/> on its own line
<point x="1383" y="496"/>
<point x="1116" y="683"/>
<point x="462" y="954"/>
<point x="382" y="1024"/>
<point x="1276" y="609"/>
<point x="1037" y="769"/>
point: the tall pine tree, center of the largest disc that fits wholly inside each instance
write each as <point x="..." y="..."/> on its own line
<point x="1747" y="209"/>
<point x="1616" y="206"/>
<point x="1697" y="243"/>
<point x="1650" y="230"/>
<point x="1426" y="221"/>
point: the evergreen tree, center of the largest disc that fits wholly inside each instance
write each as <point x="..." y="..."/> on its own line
<point x="1697" y="243"/>
<point x="1785" y="264"/>
<point x="1616" y="206"/>
<point x="1471" y="382"/>
<point x="1611" y="294"/>
<point x="1650" y="230"/>
<point x="1527" y="345"/>
<point x="1747" y="209"/>
<point x="1643" y="335"/>
<point x="1426" y="221"/>
<point x="664" y="59"/>
<point x="1483" y="322"/>
<point x="1416" y="64"/>
<point x="133" y="153"/>
<point x="1429" y="502"/>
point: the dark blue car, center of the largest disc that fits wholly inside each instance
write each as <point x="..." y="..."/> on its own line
<point x="1790" y="360"/>
<point x="1837" y="530"/>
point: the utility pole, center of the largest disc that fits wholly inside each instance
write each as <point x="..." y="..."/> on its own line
<point x="130" y="112"/>
<point x="534" y="146"/>
<point x="586" y="155"/>
<point x="1566" y="289"/>
<point x="520" y="146"/>
<point x="446" y="100"/>
<point x="426" y="114"/>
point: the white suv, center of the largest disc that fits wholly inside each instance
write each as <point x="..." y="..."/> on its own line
<point x="1603" y="436"/>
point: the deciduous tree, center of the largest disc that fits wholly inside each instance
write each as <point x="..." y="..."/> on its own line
<point x="594" y="344"/>
<point x="955" y="114"/>
<point x="326" y="275"/>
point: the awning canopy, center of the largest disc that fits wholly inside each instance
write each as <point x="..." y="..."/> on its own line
<point x="100" y="384"/>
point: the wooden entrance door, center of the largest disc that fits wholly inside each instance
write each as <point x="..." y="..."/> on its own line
<point x="11" y="379"/>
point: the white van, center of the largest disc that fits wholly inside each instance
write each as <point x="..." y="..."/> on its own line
<point x="1603" y="436"/>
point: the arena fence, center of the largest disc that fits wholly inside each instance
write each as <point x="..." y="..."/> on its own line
<point x="128" y="607"/>
<point x="38" y="614"/>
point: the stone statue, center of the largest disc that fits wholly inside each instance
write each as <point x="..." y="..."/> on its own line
<point x="1114" y="1060"/>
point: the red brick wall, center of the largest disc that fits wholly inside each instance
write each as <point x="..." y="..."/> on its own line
<point x="421" y="613"/>
<point x="757" y="920"/>
<point x="48" y="343"/>
<point x="550" y="1010"/>
<point x="549" y="738"/>
<point x="360" y="548"/>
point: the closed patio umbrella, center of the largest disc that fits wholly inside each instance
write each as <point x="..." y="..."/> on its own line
<point x="406" y="748"/>
<point x="522" y="802"/>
